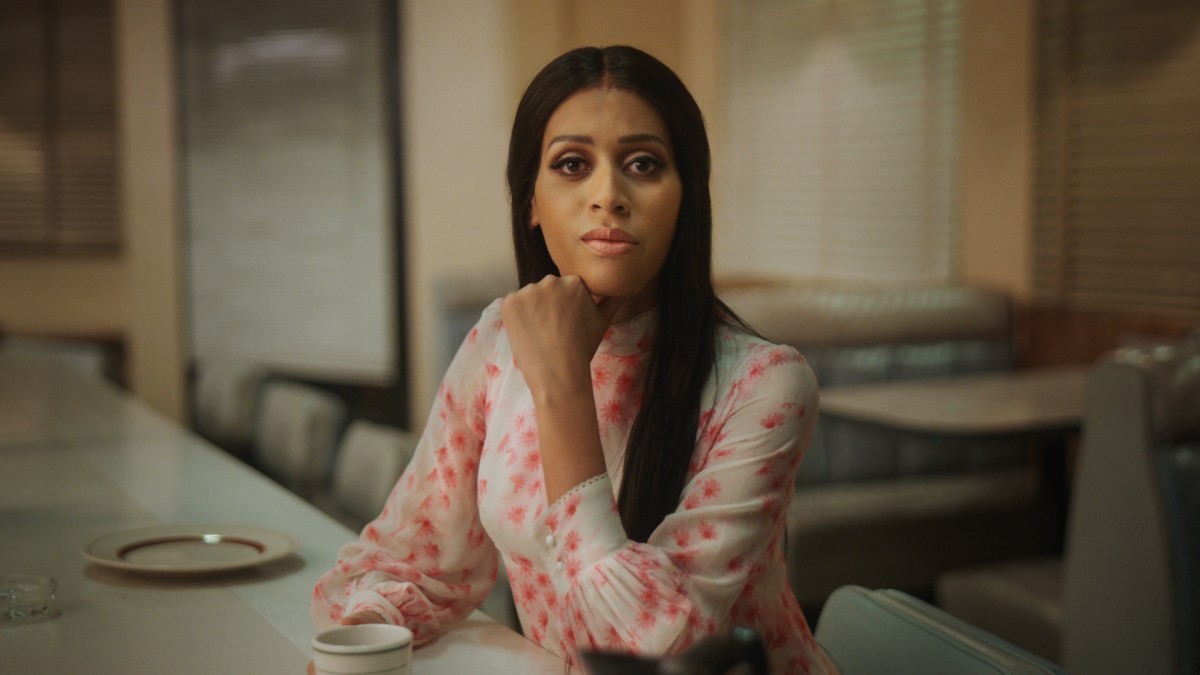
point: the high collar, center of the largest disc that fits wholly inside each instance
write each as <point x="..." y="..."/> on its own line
<point x="634" y="335"/>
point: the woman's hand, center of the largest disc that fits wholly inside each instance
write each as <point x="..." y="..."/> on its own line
<point x="554" y="327"/>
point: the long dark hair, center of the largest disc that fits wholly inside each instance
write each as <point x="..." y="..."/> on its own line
<point x="665" y="431"/>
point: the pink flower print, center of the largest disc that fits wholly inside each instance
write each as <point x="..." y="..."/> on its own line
<point x="672" y="611"/>
<point x="624" y="384"/>
<point x="534" y="487"/>
<point x="645" y="620"/>
<point x="770" y="505"/>
<point x="645" y="343"/>
<point x="710" y="488"/>
<point x="736" y="563"/>
<point x="599" y="376"/>
<point x="425" y="527"/>
<point x="518" y="481"/>
<point x="552" y="522"/>
<point x="533" y="460"/>
<point x="492" y="369"/>
<point x="798" y="408"/>
<point x="529" y="437"/>
<point x="572" y="567"/>
<point x="756" y="370"/>
<point x="573" y="503"/>
<point x="614" y="411"/>
<point x="527" y="594"/>
<point x="683" y="558"/>
<point x="475" y="538"/>
<point x="778" y="356"/>
<point x="691" y="501"/>
<point x="771" y="421"/>
<point x="517" y="514"/>
<point x="431" y="550"/>
<point x="708" y="531"/>
<point x="473" y="335"/>
<point x="648" y="597"/>
<point x="573" y="540"/>
<point x="682" y="537"/>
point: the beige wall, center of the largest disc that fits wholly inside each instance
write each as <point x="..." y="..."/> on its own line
<point x="136" y="294"/>
<point x="149" y="188"/>
<point x="63" y="296"/>
<point x="465" y="64"/>
<point x="997" y="156"/>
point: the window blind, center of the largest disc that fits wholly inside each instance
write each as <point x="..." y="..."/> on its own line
<point x="58" y="189"/>
<point x="289" y="186"/>
<point x="842" y="140"/>
<point x="1117" y="211"/>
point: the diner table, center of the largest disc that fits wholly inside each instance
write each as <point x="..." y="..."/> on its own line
<point x="1044" y="406"/>
<point x="80" y="459"/>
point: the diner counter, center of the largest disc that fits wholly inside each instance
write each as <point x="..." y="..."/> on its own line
<point x="80" y="459"/>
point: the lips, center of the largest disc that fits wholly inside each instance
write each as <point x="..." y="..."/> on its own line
<point x="609" y="242"/>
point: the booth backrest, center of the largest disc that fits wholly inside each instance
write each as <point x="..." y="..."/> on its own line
<point x="1130" y="596"/>
<point x="859" y="335"/>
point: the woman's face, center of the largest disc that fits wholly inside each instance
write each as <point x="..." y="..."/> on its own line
<point x="607" y="194"/>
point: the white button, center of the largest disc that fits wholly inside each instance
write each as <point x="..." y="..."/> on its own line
<point x="549" y="540"/>
<point x="558" y="565"/>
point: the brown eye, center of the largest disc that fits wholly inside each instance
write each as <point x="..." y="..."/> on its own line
<point x="570" y="165"/>
<point x="644" y="165"/>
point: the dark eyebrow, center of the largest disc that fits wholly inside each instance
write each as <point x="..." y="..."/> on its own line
<point x="624" y="140"/>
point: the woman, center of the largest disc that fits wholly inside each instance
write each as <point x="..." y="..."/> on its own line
<point x="610" y="428"/>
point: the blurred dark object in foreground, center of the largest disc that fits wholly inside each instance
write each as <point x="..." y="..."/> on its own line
<point x="739" y="651"/>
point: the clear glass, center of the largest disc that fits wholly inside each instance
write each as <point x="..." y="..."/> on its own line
<point x="25" y="596"/>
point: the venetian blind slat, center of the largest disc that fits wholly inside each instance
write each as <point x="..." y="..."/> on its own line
<point x="1118" y="155"/>
<point x="842" y="133"/>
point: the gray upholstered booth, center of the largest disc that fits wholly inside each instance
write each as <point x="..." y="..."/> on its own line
<point x="1126" y="596"/>
<point x="882" y="508"/>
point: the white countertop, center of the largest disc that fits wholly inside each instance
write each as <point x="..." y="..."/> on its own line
<point x="80" y="459"/>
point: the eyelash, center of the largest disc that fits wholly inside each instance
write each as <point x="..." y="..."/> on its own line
<point x="655" y="164"/>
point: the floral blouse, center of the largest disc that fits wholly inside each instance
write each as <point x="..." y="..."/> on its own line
<point x="474" y="491"/>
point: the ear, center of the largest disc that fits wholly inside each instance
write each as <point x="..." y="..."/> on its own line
<point x="534" y="221"/>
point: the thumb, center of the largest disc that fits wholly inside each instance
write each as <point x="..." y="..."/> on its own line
<point x="608" y="308"/>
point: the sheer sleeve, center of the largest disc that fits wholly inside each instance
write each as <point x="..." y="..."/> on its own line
<point x="426" y="560"/>
<point x="685" y="582"/>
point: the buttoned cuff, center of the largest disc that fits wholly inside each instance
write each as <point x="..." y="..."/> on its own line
<point x="579" y="529"/>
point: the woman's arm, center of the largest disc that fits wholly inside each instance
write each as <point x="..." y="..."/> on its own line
<point x="555" y="327"/>
<point x="426" y="560"/>
<point x="682" y="584"/>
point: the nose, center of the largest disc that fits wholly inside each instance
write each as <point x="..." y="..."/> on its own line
<point x="609" y="195"/>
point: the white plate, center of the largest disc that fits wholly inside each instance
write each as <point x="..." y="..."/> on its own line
<point x="175" y="549"/>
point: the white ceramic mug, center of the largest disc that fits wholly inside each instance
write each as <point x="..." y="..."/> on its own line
<point x="375" y="648"/>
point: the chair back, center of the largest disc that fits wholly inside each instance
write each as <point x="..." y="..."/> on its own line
<point x="369" y="461"/>
<point x="888" y="631"/>
<point x="224" y="400"/>
<point x="296" y="432"/>
<point x="1131" y="568"/>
